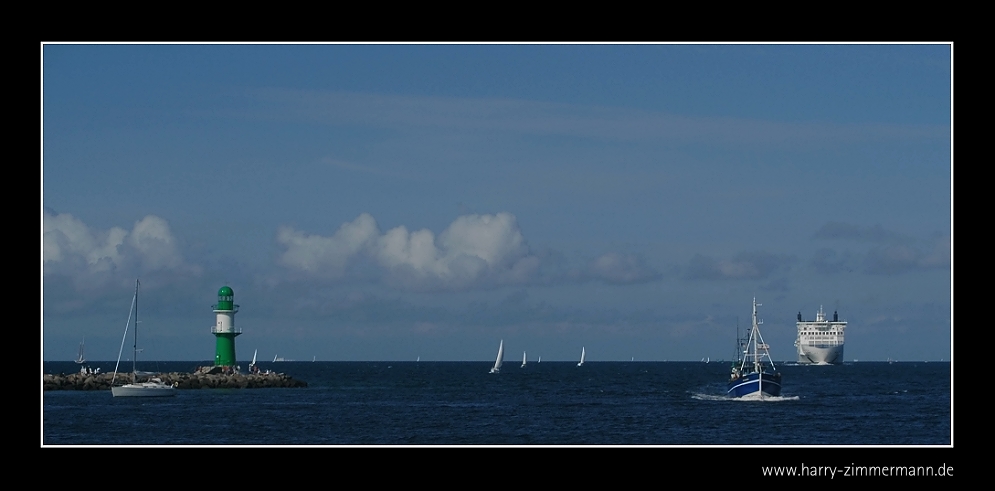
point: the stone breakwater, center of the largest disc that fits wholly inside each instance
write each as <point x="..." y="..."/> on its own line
<point x="102" y="381"/>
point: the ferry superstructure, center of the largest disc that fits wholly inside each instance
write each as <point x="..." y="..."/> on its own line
<point x="820" y="342"/>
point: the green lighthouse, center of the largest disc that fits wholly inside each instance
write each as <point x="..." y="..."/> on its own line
<point x="224" y="330"/>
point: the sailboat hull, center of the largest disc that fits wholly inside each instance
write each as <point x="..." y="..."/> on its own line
<point x="145" y="389"/>
<point x="756" y="384"/>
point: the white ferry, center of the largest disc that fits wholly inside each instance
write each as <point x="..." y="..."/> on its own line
<point x="820" y="342"/>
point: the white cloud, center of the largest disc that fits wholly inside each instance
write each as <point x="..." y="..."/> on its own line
<point x="621" y="268"/>
<point x="328" y="256"/>
<point x="494" y="238"/>
<point x="155" y="245"/>
<point x="416" y="250"/>
<point x="473" y="251"/>
<point x="68" y="241"/>
<point x="73" y="249"/>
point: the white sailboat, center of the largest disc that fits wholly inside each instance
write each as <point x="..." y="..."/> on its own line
<point x="79" y="358"/>
<point x="500" y="358"/>
<point x="151" y="388"/>
<point x="523" y="360"/>
<point x="582" y="353"/>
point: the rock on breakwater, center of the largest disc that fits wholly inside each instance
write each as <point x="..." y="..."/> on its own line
<point x="102" y="381"/>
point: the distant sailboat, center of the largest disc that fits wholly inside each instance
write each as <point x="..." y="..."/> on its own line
<point x="417" y="359"/>
<point x="523" y="360"/>
<point x="79" y="358"/>
<point x="500" y="359"/>
<point x="539" y="360"/>
<point x="582" y="353"/>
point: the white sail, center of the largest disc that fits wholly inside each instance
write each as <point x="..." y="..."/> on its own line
<point x="523" y="359"/>
<point x="582" y="353"/>
<point x="80" y="358"/>
<point x="500" y="358"/>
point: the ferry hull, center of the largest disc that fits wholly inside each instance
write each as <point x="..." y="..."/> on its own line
<point x="813" y="355"/>
<point x="756" y="384"/>
<point x="820" y="342"/>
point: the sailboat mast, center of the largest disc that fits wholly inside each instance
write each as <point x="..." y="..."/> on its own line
<point x="134" y="356"/>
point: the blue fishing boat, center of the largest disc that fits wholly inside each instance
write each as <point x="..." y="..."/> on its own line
<point x="753" y="373"/>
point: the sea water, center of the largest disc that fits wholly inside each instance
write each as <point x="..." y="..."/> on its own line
<point x="549" y="403"/>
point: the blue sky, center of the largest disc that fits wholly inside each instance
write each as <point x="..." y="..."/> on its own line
<point x="388" y="202"/>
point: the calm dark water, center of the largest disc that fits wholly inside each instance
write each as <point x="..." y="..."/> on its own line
<point x="549" y="403"/>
